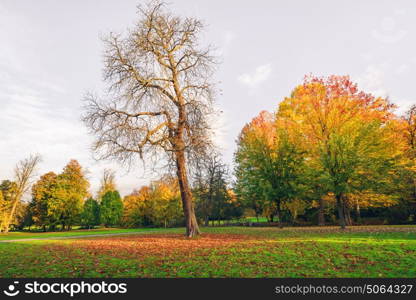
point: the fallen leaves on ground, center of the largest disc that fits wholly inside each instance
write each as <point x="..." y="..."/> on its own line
<point x="152" y="244"/>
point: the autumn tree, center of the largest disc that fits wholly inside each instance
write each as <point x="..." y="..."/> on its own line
<point x="134" y="212"/>
<point x="136" y="209"/>
<point x="72" y="191"/>
<point x="23" y="175"/>
<point x="7" y="191"/>
<point x="296" y="207"/>
<point x="44" y="200"/>
<point x="159" y="98"/>
<point x="346" y="131"/>
<point x="59" y="199"/>
<point x="3" y="207"/>
<point x="111" y="209"/>
<point x="155" y="205"/>
<point x="164" y="207"/>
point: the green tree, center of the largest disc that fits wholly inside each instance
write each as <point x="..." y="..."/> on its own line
<point x="268" y="158"/>
<point x="248" y="189"/>
<point x="211" y="189"/>
<point x="111" y="209"/>
<point x="406" y="173"/>
<point x="90" y="215"/>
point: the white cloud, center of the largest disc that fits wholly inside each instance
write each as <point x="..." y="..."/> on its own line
<point x="32" y="125"/>
<point x="225" y="43"/>
<point x="404" y="106"/>
<point x="373" y="80"/>
<point x="389" y="31"/>
<point x="253" y="80"/>
<point x="219" y="132"/>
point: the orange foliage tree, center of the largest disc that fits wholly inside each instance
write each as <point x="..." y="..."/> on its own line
<point x="347" y="133"/>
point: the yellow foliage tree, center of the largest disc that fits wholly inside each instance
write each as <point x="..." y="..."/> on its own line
<point x="157" y="204"/>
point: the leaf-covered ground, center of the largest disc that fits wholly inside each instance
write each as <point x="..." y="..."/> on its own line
<point x="30" y="235"/>
<point x="371" y="251"/>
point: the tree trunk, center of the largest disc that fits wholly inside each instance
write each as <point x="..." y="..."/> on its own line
<point x="206" y="221"/>
<point x="279" y="216"/>
<point x="321" y="214"/>
<point x="191" y="223"/>
<point x="340" y="206"/>
<point x="347" y="213"/>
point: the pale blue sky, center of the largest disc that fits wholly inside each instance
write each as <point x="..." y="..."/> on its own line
<point x="50" y="55"/>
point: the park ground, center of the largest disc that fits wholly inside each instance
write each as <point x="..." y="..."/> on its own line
<point x="365" y="251"/>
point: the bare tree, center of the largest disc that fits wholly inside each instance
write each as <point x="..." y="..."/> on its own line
<point x="23" y="173"/>
<point x="108" y="182"/>
<point x="210" y="185"/>
<point x="159" y="99"/>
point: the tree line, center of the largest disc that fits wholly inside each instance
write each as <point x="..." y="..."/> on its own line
<point x="58" y="200"/>
<point x="330" y="151"/>
<point x="61" y="201"/>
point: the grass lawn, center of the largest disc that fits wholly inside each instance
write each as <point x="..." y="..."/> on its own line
<point x="368" y="251"/>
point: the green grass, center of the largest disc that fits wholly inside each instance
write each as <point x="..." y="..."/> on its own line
<point x="371" y="251"/>
<point x="242" y="220"/>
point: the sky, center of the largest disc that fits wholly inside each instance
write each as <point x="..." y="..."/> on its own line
<point x="51" y="55"/>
